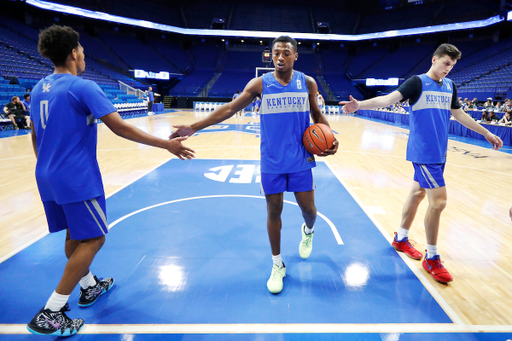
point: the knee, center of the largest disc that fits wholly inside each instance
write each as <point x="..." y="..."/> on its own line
<point x="438" y="205"/>
<point x="310" y="210"/>
<point x="274" y="211"/>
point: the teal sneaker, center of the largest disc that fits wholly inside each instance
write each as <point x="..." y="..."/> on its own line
<point x="275" y="282"/>
<point x="306" y="244"/>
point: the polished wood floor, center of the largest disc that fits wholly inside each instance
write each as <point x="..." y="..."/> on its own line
<point x="476" y="230"/>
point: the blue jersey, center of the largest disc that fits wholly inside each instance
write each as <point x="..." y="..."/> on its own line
<point x="26" y="104"/>
<point x="63" y="117"/>
<point x="151" y="96"/>
<point x="430" y="122"/>
<point x="284" y="116"/>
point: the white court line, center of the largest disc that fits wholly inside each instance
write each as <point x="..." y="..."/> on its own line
<point x="327" y="220"/>
<point x="433" y="291"/>
<point x="35" y="239"/>
<point x="271" y="328"/>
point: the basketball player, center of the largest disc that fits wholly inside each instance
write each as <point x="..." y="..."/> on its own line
<point x="288" y="100"/>
<point x="64" y="138"/>
<point x="432" y="98"/>
<point x="321" y="102"/>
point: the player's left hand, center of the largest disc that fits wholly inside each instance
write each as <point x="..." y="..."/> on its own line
<point x="182" y="130"/>
<point x="496" y="142"/>
<point x="331" y="151"/>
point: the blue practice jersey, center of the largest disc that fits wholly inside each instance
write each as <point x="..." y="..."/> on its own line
<point x="151" y="96"/>
<point x="63" y="116"/>
<point x="284" y="116"/>
<point x="430" y="122"/>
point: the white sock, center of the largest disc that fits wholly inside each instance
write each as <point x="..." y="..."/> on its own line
<point x="278" y="260"/>
<point x="432" y="251"/>
<point x="87" y="281"/>
<point x="56" y="301"/>
<point x="308" y="230"/>
<point x="402" y="233"/>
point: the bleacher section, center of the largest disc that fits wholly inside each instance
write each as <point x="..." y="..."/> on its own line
<point x="282" y="18"/>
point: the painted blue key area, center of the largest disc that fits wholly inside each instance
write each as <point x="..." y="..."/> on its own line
<point x="207" y="260"/>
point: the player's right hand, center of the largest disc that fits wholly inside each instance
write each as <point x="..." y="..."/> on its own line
<point x="349" y="106"/>
<point x="177" y="148"/>
<point x="182" y="130"/>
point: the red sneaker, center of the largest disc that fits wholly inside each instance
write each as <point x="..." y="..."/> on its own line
<point x="405" y="246"/>
<point x="437" y="270"/>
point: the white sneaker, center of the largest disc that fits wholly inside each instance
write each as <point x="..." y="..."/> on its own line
<point x="306" y="244"/>
<point x="275" y="282"/>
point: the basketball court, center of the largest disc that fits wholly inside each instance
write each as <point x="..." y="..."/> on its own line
<point x="189" y="250"/>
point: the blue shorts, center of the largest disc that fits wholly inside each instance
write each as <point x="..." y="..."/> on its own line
<point x="84" y="220"/>
<point x="287" y="182"/>
<point x="429" y="175"/>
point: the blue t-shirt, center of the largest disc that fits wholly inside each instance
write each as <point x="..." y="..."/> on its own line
<point x="284" y="116"/>
<point x="151" y="96"/>
<point x="430" y="121"/>
<point x="26" y="104"/>
<point x="64" y="118"/>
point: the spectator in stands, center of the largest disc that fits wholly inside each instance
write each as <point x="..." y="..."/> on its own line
<point x="493" y="116"/>
<point x="321" y="101"/>
<point x="489" y="103"/>
<point x="235" y="96"/>
<point x="485" y="116"/>
<point x="506" y="119"/>
<point x="498" y="107"/>
<point x="15" y="112"/>
<point x="473" y="105"/>
<point x="151" y="100"/>
<point x="26" y="103"/>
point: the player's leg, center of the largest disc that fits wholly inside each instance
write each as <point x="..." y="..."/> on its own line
<point x="86" y="228"/>
<point x="401" y="239"/>
<point x="273" y="186"/>
<point x="436" y="192"/>
<point x="306" y="201"/>
<point x="302" y="184"/>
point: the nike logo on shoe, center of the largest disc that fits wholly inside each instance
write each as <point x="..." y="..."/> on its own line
<point x="56" y="326"/>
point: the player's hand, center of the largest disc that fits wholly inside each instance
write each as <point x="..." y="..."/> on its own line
<point x="496" y="142"/>
<point x="331" y="151"/>
<point x="349" y="106"/>
<point x="510" y="213"/>
<point x="177" y="148"/>
<point x="182" y="130"/>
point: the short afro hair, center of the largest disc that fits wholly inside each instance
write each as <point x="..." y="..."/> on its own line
<point x="56" y="43"/>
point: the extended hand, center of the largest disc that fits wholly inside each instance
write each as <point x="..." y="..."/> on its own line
<point x="331" y="151"/>
<point x="350" y="106"/>
<point x="496" y="142"/>
<point x="177" y="148"/>
<point x="182" y="130"/>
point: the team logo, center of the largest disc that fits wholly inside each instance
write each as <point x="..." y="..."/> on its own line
<point x="46" y="87"/>
<point x="299" y="84"/>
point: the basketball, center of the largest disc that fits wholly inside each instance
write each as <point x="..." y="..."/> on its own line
<point x="318" y="138"/>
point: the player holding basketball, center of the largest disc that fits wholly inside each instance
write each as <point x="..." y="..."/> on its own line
<point x="64" y="138"/>
<point x="432" y="98"/>
<point x="288" y="101"/>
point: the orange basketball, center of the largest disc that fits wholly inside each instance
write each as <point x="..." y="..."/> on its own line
<point x="318" y="138"/>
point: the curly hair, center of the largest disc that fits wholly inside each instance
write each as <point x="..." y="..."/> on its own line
<point x="56" y="43"/>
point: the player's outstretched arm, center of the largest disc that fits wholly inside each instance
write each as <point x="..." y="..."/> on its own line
<point x="468" y="122"/>
<point x="251" y="90"/>
<point x="373" y="103"/>
<point x="132" y="133"/>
